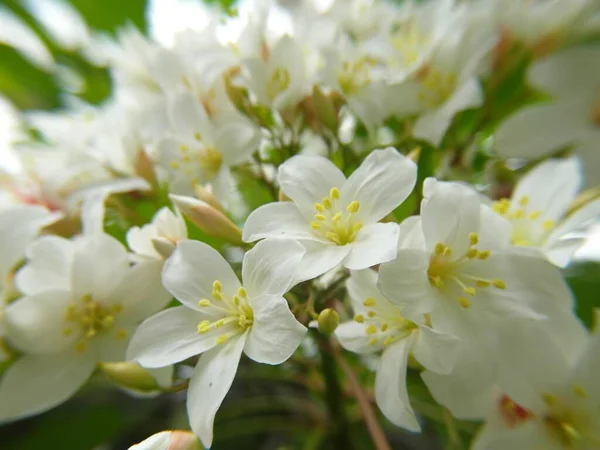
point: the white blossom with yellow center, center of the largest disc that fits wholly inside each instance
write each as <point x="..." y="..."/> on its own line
<point x="379" y="326"/>
<point x="199" y="150"/>
<point x="334" y="218"/>
<point x="571" y="78"/>
<point x="557" y="393"/>
<point x="219" y="318"/>
<point x="539" y="210"/>
<point x="82" y="301"/>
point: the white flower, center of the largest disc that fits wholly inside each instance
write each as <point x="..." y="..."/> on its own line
<point x="552" y="400"/>
<point x="200" y="152"/>
<point x="379" y="326"/>
<point x="538" y="210"/>
<point x="572" y="77"/>
<point x="221" y="319"/>
<point x="82" y="302"/>
<point x="336" y="218"/>
<point x="158" y="239"/>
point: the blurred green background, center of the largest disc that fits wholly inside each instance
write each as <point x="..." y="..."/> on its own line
<point x="262" y="411"/>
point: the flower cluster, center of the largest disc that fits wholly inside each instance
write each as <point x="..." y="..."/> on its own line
<point x="421" y="171"/>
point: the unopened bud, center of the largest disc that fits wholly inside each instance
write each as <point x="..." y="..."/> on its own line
<point x="414" y="154"/>
<point x="207" y="196"/>
<point x="328" y="321"/>
<point x="209" y="219"/>
<point x="163" y="246"/>
<point x="236" y="94"/>
<point x="171" y="440"/>
<point x="324" y="109"/>
<point x="130" y="375"/>
<point x="144" y="168"/>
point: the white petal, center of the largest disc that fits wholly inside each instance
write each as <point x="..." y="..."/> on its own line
<point x="577" y="221"/>
<point x="35" y="323"/>
<point x="209" y="385"/>
<point x="139" y="240"/>
<point x="169" y="337"/>
<point x="411" y="233"/>
<point x="527" y="436"/>
<point x="99" y="261"/>
<point x="363" y="284"/>
<point x="586" y="372"/>
<point x="435" y="350"/>
<point x="381" y="183"/>
<point x="550" y="187"/>
<point x="190" y="272"/>
<point x="281" y="219"/>
<point x="275" y="334"/>
<point x="449" y="214"/>
<point x="236" y="141"/>
<point x="404" y="280"/>
<point x="48" y="265"/>
<point x="34" y="384"/>
<point x="18" y="227"/>
<point x="306" y="179"/>
<point x="188" y="117"/>
<point x="320" y="258"/>
<point x="270" y="267"/>
<point x="534" y="131"/>
<point x="353" y="337"/>
<point x="141" y="290"/>
<point x="390" y="386"/>
<point x="375" y="244"/>
<point x="433" y="126"/>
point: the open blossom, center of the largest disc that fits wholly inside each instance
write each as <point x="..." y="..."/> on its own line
<point x="379" y="326"/>
<point x="572" y="78"/>
<point x="538" y="210"/>
<point x="334" y="218"/>
<point x="82" y="303"/>
<point x="220" y="319"/>
<point x="552" y="400"/>
<point x="157" y="240"/>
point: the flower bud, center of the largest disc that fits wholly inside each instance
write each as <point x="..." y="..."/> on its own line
<point x="163" y="246"/>
<point x="130" y="375"/>
<point x="328" y="321"/>
<point x="207" y="196"/>
<point x="172" y="440"/>
<point x="414" y="154"/>
<point x="324" y="109"/>
<point x="144" y="168"/>
<point x="209" y="219"/>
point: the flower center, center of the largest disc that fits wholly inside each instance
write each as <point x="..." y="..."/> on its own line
<point x="436" y="86"/>
<point x="571" y="426"/>
<point x="409" y="41"/>
<point x="529" y="227"/>
<point x="279" y="82"/>
<point x="235" y="311"/>
<point x="91" y="318"/>
<point x="512" y="413"/>
<point x="385" y="324"/>
<point x="354" y="75"/>
<point x="207" y="159"/>
<point x="446" y="271"/>
<point x="335" y="223"/>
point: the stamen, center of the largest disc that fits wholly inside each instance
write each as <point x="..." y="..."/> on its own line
<point x="359" y="318"/>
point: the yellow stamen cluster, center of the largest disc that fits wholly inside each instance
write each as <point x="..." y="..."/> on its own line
<point x="562" y="423"/>
<point x="409" y="41"/>
<point x="279" y="82"/>
<point x="354" y="75"/>
<point x="236" y="311"/>
<point x="436" y="86"/>
<point x="91" y="318"/>
<point x="334" y="223"/>
<point x="445" y="270"/>
<point x="191" y="161"/>
<point x="529" y="228"/>
<point x="384" y="325"/>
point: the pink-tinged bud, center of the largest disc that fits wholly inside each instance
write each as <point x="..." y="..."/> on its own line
<point x="207" y="196"/>
<point x="170" y="440"/>
<point x="209" y="219"/>
<point x="144" y="168"/>
<point x="163" y="246"/>
<point x="130" y="375"/>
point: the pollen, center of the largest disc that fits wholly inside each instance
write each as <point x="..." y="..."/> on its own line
<point x="369" y="301"/>
<point x="579" y="390"/>
<point x="359" y="318"/>
<point x="529" y="228"/>
<point x="334" y="222"/>
<point x="204" y="302"/>
<point x="371" y="329"/>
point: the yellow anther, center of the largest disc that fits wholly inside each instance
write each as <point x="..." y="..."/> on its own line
<point x="174" y="165"/>
<point x="473" y="238"/>
<point x="80" y="347"/>
<point x="203" y="326"/>
<point x="373" y="341"/>
<point x="204" y="302"/>
<point x="549" y="399"/>
<point x="579" y="390"/>
<point x="186" y="159"/>
<point x="334" y="193"/>
<point x="472" y="253"/>
<point x="482" y="283"/>
<point x="469" y="290"/>
<point x="121" y="334"/>
<point x="219" y="323"/>
<point x="357" y="227"/>
<point x="371" y="314"/>
<point x="197" y="136"/>
<point x="548" y="224"/>
<point x="236" y="300"/>
<point x="91" y="333"/>
<point x="337" y="217"/>
<point x="359" y="318"/>
<point x="439" y="248"/>
<point x="107" y="321"/>
<point x="353" y="207"/>
<point x="519" y="213"/>
<point x="534" y="215"/>
<point x="371" y="329"/>
<point x="319" y="207"/>
<point x="438" y="281"/>
<point x="333" y="237"/>
<point x="499" y="284"/>
<point x="183" y="148"/>
<point x="447" y="251"/>
<point x="67" y="331"/>
<point x="464" y="302"/>
<point x="384" y="327"/>
<point x="222" y="339"/>
<point x="217" y="286"/>
<point x="484" y="254"/>
<point x="320" y="217"/>
<point x="316" y="225"/>
<point x="523" y="201"/>
<point x="242" y="292"/>
<point x="326" y="203"/>
<point x="388" y="340"/>
<point x="369" y="301"/>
